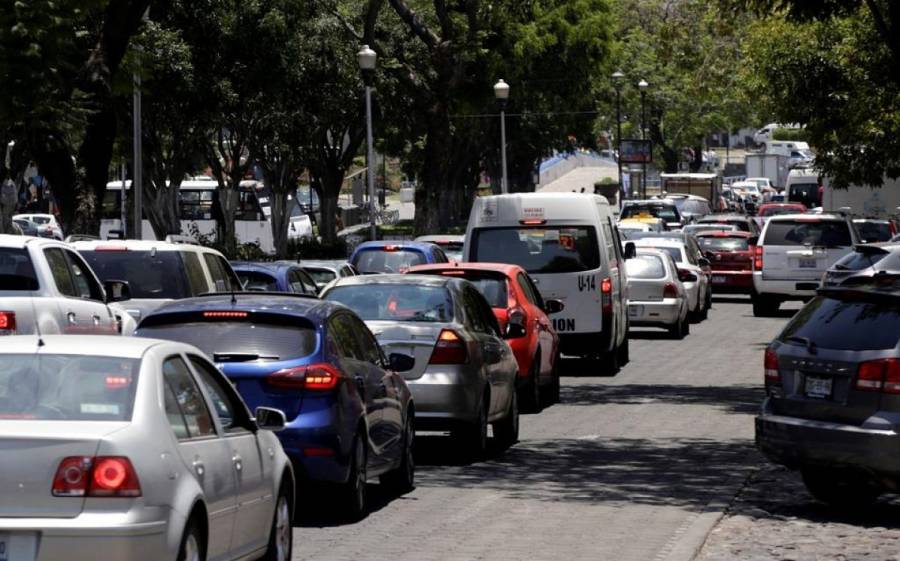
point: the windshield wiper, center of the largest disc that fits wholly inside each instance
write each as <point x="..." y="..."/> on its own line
<point x="241" y="357"/>
<point x="805" y="341"/>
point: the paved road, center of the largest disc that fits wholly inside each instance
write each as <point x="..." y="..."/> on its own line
<point x="620" y="470"/>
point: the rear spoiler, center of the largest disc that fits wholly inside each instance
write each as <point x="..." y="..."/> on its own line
<point x="869" y="249"/>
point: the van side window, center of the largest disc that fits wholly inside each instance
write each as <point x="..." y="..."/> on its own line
<point x="610" y="244"/>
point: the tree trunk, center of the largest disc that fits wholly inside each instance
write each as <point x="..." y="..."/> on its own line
<point x="432" y="196"/>
<point x="94" y="159"/>
<point x="280" y="217"/>
<point x="226" y="237"/>
<point x="328" y="206"/>
<point x="161" y="208"/>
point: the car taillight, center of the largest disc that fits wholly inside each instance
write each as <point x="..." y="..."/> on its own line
<point x="7" y="323"/>
<point x="670" y="290"/>
<point x="606" y="294"/>
<point x="315" y="377"/>
<point x="102" y="476"/>
<point x="772" y="375"/>
<point x="758" y="258"/>
<point x="449" y="349"/>
<point x="879" y="375"/>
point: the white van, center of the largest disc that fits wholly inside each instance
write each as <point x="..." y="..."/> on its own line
<point x="570" y="245"/>
<point x="802" y="186"/>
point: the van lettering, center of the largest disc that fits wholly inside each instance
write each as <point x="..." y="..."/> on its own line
<point x="587" y="283"/>
<point x="561" y="324"/>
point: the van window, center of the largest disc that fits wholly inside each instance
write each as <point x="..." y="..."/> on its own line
<point x="563" y="249"/>
<point x="806" y="193"/>
<point x="828" y="233"/>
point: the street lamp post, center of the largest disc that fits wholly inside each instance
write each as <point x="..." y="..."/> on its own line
<point x="367" y="59"/>
<point x="137" y="181"/>
<point x="617" y="83"/>
<point x="643" y="85"/>
<point x="501" y="92"/>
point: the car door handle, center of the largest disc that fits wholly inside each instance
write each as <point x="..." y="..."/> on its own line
<point x="96" y="319"/>
<point x="238" y="462"/>
<point x="199" y="468"/>
<point x="72" y="317"/>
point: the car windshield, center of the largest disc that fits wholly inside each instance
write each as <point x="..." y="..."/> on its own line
<point x="382" y="260"/>
<point x="668" y="213"/>
<point x="16" y="271"/>
<point x="563" y="249"/>
<point x="675" y="252"/>
<point x="321" y="276"/>
<point x="395" y="302"/>
<point x="874" y="230"/>
<point x="811" y="232"/>
<point x="240" y="341"/>
<point x="715" y="243"/>
<point x="149" y="274"/>
<point x="858" y="261"/>
<point x="832" y="323"/>
<point x="645" y="267"/>
<point x="54" y="387"/>
<point x="254" y="280"/>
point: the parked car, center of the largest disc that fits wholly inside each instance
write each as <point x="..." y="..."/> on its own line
<point x="48" y="225"/>
<point x="465" y="372"/>
<point x="662" y="208"/>
<point x="743" y="223"/>
<point x="135" y="449"/>
<point x="657" y="297"/>
<point x="832" y="381"/>
<point x="691" y="207"/>
<point x="451" y="244"/>
<point x="350" y="416"/>
<point x="394" y="256"/>
<point x="731" y="257"/>
<point x="793" y="253"/>
<point x="865" y="261"/>
<point x="515" y="299"/>
<point x="571" y="247"/>
<point x="159" y="272"/>
<point x="324" y="271"/>
<point x="872" y="230"/>
<point x="274" y="277"/>
<point x="46" y="286"/>
<point x="27" y="227"/>
<point x="699" y="291"/>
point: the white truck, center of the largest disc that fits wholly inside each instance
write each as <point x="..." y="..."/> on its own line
<point x="863" y="202"/>
<point x="773" y="166"/>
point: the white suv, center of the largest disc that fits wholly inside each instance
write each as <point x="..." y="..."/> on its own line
<point x="45" y="283"/>
<point x="792" y="254"/>
<point x="159" y="272"/>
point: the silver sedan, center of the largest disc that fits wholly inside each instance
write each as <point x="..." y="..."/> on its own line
<point x="134" y="449"/>
<point x="656" y="295"/>
<point x="465" y="372"/>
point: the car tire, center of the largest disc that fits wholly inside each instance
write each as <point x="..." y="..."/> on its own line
<point x="281" y="537"/>
<point x="506" y="430"/>
<point x="191" y="547"/>
<point x="679" y="330"/>
<point x="531" y="390"/>
<point x="403" y="479"/>
<point x="838" y="488"/>
<point x="473" y="436"/>
<point x="353" y="493"/>
<point x="624" y="350"/>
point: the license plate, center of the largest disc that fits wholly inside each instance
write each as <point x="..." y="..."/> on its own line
<point x="819" y="388"/>
<point x="633" y="311"/>
<point x="4" y="546"/>
<point x="719" y="279"/>
<point x="807" y="263"/>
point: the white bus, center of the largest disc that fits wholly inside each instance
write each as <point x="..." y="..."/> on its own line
<point x="196" y="207"/>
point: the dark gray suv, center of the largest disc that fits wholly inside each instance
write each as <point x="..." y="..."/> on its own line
<point x="832" y="380"/>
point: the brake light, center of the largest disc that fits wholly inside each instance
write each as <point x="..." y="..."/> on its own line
<point x="102" y="476"/>
<point x="225" y="314"/>
<point x="391" y="248"/>
<point x="449" y="349"/>
<point x="670" y="290"/>
<point x="772" y="375"/>
<point x="532" y="222"/>
<point x="606" y="294"/>
<point x="7" y="323"/>
<point x="110" y="248"/>
<point x="758" y="257"/>
<point x="314" y="377"/>
<point x="879" y="375"/>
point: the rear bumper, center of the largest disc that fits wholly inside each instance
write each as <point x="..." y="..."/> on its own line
<point x="664" y="312"/>
<point x="446" y="397"/>
<point x="317" y="444"/>
<point x="793" y="289"/>
<point x="732" y="281"/>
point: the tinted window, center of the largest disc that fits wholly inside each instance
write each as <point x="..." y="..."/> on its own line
<point x="395" y="302"/>
<point x="302" y="283"/>
<point x="195" y="274"/>
<point x="60" y="270"/>
<point x="724" y="244"/>
<point x="226" y="341"/>
<point x="16" y="271"/>
<point x="474" y="314"/>
<point x="844" y="325"/>
<point x="253" y="280"/>
<point x="149" y="274"/>
<point x="806" y="193"/>
<point x="669" y="213"/>
<point x="188" y="398"/>
<point x="872" y="231"/>
<point x="382" y="261"/>
<point x="493" y="288"/>
<point x="83" y="279"/>
<point x="828" y="233"/>
<point x="857" y="261"/>
<point x="221" y="273"/>
<point x="371" y="352"/>
<point x="342" y="331"/>
<point x="539" y="250"/>
<point x="67" y="387"/>
<point x="321" y="276"/>
<point x="645" y="267"/>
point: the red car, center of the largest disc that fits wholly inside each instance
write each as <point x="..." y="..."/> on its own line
<point x="731" y="258"/>
<point x="518" y="305"/>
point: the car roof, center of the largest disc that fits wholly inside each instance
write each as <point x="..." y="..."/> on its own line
<point x="424" y="280"/>
<point x="659" y="242"/>
<point x="296" y="305"/>
<point x="138" y="245"/>
<point x="323" y="263"/>
<point x="441" y="237"/>
<point x="19" y="242"/>
<point x="715" y="218"/>
<point x="806" y="217"/>
<point x="399" y="244"/>
<point x="878" y="220"/>
<point x="504" y="268"/>
<point x="86" y="345"/>
<point x="723" y="234"/>
<point x="649" y="202"/>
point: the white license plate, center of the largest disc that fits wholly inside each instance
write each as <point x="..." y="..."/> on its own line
<point x="719" y="279"/>
<point x="807" y="263"/>
<point x="819" y="388"/>
<point x="633" y="311"/>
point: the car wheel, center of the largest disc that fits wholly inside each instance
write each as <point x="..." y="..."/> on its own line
<point x="191" y="548"/>
<point x="281" y="538"/>
<point x="677" y="331"/>
<point x="506" y="430"/>
<point x="624" y="349"/>
<point x="353" y="492"/>
<point x="839" y="488"/>
<point x="403" y="479"/>
<point x="531" y="391"/>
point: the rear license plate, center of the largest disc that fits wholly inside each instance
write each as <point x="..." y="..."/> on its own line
<point x="4" y="546"/>
<point x="818" y="388"/>
<point x="633" y="311"/>
<point x="719" y="279"/>
<point x="807" y="263"/>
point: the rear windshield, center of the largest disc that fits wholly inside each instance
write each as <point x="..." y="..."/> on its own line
<point x="846" y="325"/>
<point x="777" y="210"/>
<point x="723" y="244"/>
<point x="16" y="270"/>
<point x="540" y="249"/>
<point x="51" y="387"/>
<point x="827" y="233"/>
<point x="149" y="274"/>
<point x="872" y="231"/>
<point x="321" y="276"/>
<point x="669" y="213"/>
<point x="645" y="267"/>
<point x="706" y="227"/>
<point x="492" y="286"/>
<point x="382" y="261"/>
<point x="675" y="252"/>
<point x="858" y="261"/>
<point x="395" y="302"/>
<point x="253" y="280"/>
<point x="239" y="341"/>
<point x="740" y="225"/>
<point x="806" y="193"/>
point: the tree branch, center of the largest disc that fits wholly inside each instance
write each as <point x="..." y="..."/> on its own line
<point x="440" y="9"/>
<point x="415" y="24"/>
<point x="887" y="32"/>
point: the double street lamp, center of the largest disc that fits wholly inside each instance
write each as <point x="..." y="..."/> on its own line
<point x="367" y="59"/>
<point x="501" y="92"/>
<point x="642" y="86"/>
<point x="617" y="78"/>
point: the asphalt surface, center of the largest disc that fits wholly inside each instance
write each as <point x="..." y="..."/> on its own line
<point x="622" y="469"/>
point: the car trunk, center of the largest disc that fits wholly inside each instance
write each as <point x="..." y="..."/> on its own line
<point x="731" y="261"/>
<point x="416" y="339"/>
<point x="32" y="451"/>
<point x="803" y="249"/>
<point x="646" y="290"/>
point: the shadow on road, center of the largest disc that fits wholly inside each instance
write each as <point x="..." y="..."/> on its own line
<point x="733" y="399"/>
<point x="319" y="508"/>
<point x="730" y="299"/>
<point x="582" y="368"/>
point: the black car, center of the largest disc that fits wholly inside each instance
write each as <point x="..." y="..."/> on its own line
<point x="863" y="264"/>
<point x="832" y="381"/>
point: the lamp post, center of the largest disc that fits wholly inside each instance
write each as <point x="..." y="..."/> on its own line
<point x="367" y="59"/>
<point x="642" y="86"/>
<point x="617" y="83"/>
<point x="501" y="92"/>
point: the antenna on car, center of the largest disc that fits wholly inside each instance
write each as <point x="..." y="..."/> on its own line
<point x="37" y="323"/>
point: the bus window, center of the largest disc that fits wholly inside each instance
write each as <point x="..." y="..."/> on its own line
<point x="196" y="205"/>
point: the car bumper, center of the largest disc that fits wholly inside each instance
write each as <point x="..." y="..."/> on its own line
<point x="665" y="312"/>
<point x="732" y="281"/>
<point x="318" y="446"/>
<point x="446" y="397"/>
<point x="785" y="289"/>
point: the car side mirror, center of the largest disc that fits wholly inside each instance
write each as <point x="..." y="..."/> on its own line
<point x="514" y="331"/>
<point x="686" y="276"/>
<point x="399" y="362"/>
<point x="117" y="291"/>
<point x="703" y="262"/>
<point x="553" y="306"/>
<point x="630" y="250"/>
<point x="270" y="419"/>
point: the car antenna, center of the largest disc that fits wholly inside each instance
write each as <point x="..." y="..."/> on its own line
<point x="37" y="323"/>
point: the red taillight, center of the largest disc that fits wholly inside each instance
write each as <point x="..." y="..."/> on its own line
<point x="223" y="315"/>
<point x="532" y="222"/>
<point x="879" y="375"/>
<point x="670" y="290"/>
<point x="772" y="375"/>
<point x="316" y="377"/>
<point x="606" y="294"/>
<point x="449" y="349"/>
<point x="7" y="323"/>
<point x="110" y="248"/>
<point x="758" y="258"/>
<point x="103" y="476"/>
<point x="392" y="248"/>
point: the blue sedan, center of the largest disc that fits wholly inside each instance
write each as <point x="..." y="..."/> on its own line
<point x="394" y="256"/>
<point x="350" y="415"/>
<point x="274" y="277"/>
